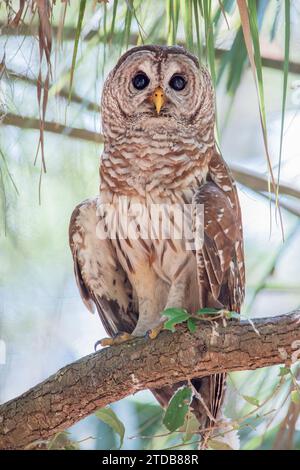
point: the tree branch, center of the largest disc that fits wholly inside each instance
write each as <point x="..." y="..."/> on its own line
<point x="259" y="183"/>
<point x="94" y="381"/>
<point x="11" y="119"/>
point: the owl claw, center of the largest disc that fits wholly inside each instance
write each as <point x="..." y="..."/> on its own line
<point x="118" y="339"/>
<point x="154" y="332"/>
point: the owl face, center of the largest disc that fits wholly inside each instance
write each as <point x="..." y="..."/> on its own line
<point x="155" y="88"/>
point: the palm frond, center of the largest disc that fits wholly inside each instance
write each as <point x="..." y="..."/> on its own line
<point x="285" y="81"/>
<point x="76" y="42"/>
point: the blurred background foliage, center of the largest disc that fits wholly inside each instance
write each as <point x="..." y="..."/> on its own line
<point x="54" y="57"/>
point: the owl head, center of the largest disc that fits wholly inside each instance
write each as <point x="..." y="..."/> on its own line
<point x="157" y="89"/>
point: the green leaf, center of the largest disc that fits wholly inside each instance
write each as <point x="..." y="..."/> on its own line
<point x="62" y="441"/>
<point x="190" y="427"/>
<point x="198" y="31"/>
<point x="172" y="17"/>
<point x="225" y="6"/>
<point x="177" y="409"/>
<point x="248" y="14"/>
<point x="188" y="24"/>
<point x="77" y="35"/>
<point x="209" y="38"/>
<point x="218" y="445"/>
<point x="127" y="26"/>
<point x="149" y="417"/>
<point x="113" y="21"/>
<point x="285" y="81"/>
<point x="257" y="57"/>
<point x="175" y="316"/>
<point x="252" y="400"/>
<point x="233" y="315"/>
<point x="192" y="325"/>
<point x="234" y="60"/>
<point x="109" y="417"/>
<point x="295" y="396"/>
<point x="207" y="311"/>
<point x="283" y="371"/>
<point x="174" y="312"/>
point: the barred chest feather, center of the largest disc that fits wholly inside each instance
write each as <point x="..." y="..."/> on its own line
<point x="160" y="168"/>
<point x="153" y="239"/>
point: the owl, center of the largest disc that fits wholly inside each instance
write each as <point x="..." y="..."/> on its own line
<point x="160" y="163"/>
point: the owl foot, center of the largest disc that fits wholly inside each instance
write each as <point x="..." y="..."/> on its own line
<point x="154" y="332"/>
<point x="118" y="339"/>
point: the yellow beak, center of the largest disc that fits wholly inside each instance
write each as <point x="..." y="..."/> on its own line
<point x="158" y="99"/>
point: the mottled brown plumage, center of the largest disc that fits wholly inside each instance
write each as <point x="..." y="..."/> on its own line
<point x="166" y="159"/>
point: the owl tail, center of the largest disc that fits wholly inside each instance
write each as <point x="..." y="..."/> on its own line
<point x="208" y="398"/>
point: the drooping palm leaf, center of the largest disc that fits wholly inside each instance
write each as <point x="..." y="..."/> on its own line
<point x="76" y="42"/>
<point x="250" y="29"/>
<point x="188" y="24"/>
<point x="285" y="81"/>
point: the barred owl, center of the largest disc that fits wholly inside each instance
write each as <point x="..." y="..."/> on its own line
<point x="159" y="150"/>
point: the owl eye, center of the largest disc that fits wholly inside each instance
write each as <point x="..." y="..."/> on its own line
<point x="140" y="81"/>
<point x="177" y="82"/>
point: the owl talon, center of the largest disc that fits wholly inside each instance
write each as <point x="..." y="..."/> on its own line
<point x="154" y="332"/>
<point x="118" y="339"/>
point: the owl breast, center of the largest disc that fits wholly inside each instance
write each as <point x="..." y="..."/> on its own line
<point x="159" y="168"/>
<point x="154" y="242"/>
<point x="146" y="194"/>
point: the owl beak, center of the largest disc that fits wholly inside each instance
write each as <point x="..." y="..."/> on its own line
<point x="158" y="99"/>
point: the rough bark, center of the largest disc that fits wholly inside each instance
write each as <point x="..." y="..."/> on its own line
<point x="94" y="381"/>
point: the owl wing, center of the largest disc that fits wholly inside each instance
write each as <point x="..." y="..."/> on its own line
<point x="101" y="281"/>
<point x="220" y="269"/>
<point x="220" y="260"/>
